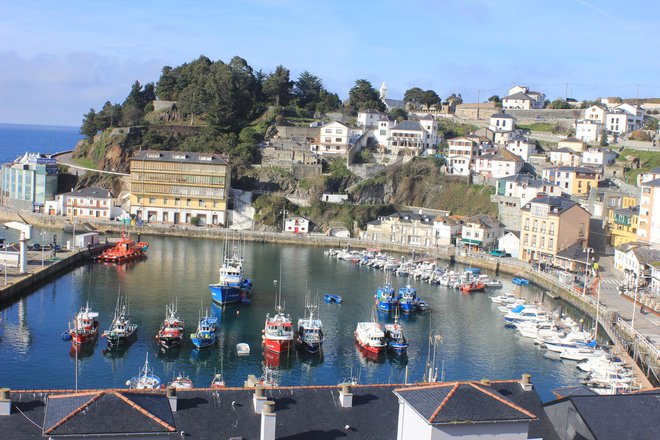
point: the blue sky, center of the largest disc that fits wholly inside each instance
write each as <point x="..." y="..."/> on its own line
<point x="58" y="59"/>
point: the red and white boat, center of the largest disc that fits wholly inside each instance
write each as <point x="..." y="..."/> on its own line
<point x="370" y="336"/>
<point x="171" y="331"/>
<point x="125" y="250"/>
<point x="278" y="332"/>
<point x="85" y="326"/>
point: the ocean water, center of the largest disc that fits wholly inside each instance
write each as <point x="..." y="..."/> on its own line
<point x="16" y="139"/>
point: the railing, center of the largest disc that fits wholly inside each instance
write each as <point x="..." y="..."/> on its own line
<point x="653" y="351"/>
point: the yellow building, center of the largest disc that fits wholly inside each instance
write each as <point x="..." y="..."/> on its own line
<point x="622" y="224"/>
<point x="178" y="187"/>
<point x="551" y="225"/>
<point x="577" y="181"/>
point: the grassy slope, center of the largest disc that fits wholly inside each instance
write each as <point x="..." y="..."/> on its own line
<point x="648" y="160"/>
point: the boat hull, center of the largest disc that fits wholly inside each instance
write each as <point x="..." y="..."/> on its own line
<point x="222" y="295"/>
<point x="277" y="345"/>
<point x="204" y="342"/>
<point x="369" y="348"/>
<point x="120" y="341"/>
<point x="309" y="347"/>
<point x="169" y="342"/>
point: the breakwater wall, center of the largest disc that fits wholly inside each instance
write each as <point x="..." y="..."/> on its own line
<point x="38" y="275"/>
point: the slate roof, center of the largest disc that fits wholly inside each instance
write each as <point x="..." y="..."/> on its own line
<point x="561" y="203"/>
<point x="655" y="182"/>
<point x="502" y="115"/>
<point x="462" y="402"/>
<point x="574" y="252"/>
<point x="409" y="125"/>
<point x="573" y="391"/>
<point x="106" y="412"/>
<point x="646" y="255"/>
<point x="411" y="216"/>
<point x="625" y="416"/>
<point x="171" y="156"/>
<point x="484" y="220"/>
<point x="92" y="191"/>
<point x="563" y="150"/>
<point x="520" y="96"/>
<point x="506" y="155"/>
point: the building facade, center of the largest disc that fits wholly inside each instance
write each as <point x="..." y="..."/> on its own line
<point x="86" y="203"/>
<point x="29" y="182"/>
<point x="178" y="187"/>
<point x="576" y="181"/>
<point x="480" y="232"/>
<point x="402" y="227"/>
<point x="550" y="225"/>
<point x="649" y="212"/>
<point x="622" y="225"/>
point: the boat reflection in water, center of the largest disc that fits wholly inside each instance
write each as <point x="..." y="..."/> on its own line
<point x="197" y="355"/>
<point x="84" y="350"/>
<point x="309" y="359"/>
<point x="281" y="361"/>
<point x="369" y="356"/>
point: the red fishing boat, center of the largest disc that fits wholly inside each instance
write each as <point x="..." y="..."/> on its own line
<point x="278" y="331"/>
<point x="474" y="286"/>
<point x="85" y="326"/>
<point x="125" y="250"/>
<point x="171" y="331"/>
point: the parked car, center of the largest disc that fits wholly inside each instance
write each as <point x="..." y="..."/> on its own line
<point x="499" y="253"/>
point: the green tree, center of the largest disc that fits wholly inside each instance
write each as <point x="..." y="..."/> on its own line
<point x="327" y="102"/>
<point x="604" y="141"/>
<point x="133" y="108"/>
<point x="496" y="100"/>
<point x="88" y="127"/>
<point x="166" y="87"/>
<point x="307" y="90"/>
<point x="651" y="124"/>
<point x="413" y="97"/>
<point x="277" y="86"/>
<point x="399" y="114"/>
<point x="192" y="101"/>
<point x="109" y="116"/>
<point x="363" y="96"/>
<point x="559" y="104"/>
<point x="429" y="98"/>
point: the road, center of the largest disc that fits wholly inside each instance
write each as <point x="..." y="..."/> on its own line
<point x="65" y="159"/>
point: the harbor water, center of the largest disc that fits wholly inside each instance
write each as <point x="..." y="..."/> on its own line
<point x="475" y="343"/>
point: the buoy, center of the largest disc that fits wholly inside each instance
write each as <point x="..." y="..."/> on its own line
<point x="238" y="312"/>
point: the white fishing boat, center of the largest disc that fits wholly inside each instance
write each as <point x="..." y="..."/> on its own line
<point x="370" y="336"/>
<point x="181" y="382"/>
<point x="146" y="379"/>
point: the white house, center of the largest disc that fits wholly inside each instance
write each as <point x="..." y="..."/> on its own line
<point x="501" y="164"/>
<point x="648" y="177"/>
<point x="503" y="126"/>
<point x="624" y="118"/>
<point x="521" y="98"/>
<point x="86" y="203"/>
<point x="462" y="154"/>
<point x="382" y="130"/>
<point x="564" y="156"/>
<point x="296" y="225"/>
<point x="466" y="410"/>
<point x="510" y="243"/>
<point x="588" y="130"/>
<point x="413" y="137"/>
<point x="599" y="156"/>
<point x="368" y="118"/>
<point x="595" y="113"/>
<point x="521" y="146"/>
<point x="481" y="231"/>
<point x="447" y="229"/>
<point x="335" y="138"/>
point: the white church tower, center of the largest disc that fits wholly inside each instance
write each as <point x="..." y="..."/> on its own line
<point x="383" y="91"/>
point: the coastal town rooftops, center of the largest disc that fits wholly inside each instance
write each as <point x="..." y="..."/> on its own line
<point x="462" y="403"/>
<point x="575" y="252"/>
<point x="505" y="155"/>
<point x="104" y="412"/>
<point x="179" y="156"/>
<point x="618" y="416"/>
<point x="581" y="170"/>
<point x="557" y="205"/>
<point x="563" y="150"/>
<point x="91" y="192"/>
<point x="631" y="210"/>
<point x="646" y="255"/>
<point x="485" y="221"/>
<point x="411" y="217"/>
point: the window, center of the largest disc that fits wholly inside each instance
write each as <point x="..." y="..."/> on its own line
<point x="152" y="200"/>
<point x="139" y="200"/>
<point x="337" y="139"/>
<point x="188" y="202"/>
<point x="338" y="131"/>
<point x="526" y="239"/>
<point x="328" y="131"/>
<point x="164" y="200"/>
<point x="551" y="243"/>
<point x="328" y="140"/>
<point x="177" y="202"/>
<point x="202" y="203"/>
<point x="534" y="240"/>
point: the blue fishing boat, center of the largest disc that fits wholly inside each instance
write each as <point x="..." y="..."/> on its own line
<point x="332" y="298"/>
<point x="520" y="281"/>
<point x="232" y="286"/>
<point x="396" y="341"/>
<point x="385" y="297"/>
<point x="408" y="300"/>
<point x="205" y="335"/>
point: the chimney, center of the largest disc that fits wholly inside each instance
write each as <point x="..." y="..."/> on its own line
<point x="5" y="402"/>
<point x="268" y="419"/>
<point x="171" y="396"/>
<point x="526" y="382"/>
<point x="259" y="399"/>
<point x="346" y="396"/>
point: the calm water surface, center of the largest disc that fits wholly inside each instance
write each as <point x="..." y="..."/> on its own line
<point x="476" y="343"/>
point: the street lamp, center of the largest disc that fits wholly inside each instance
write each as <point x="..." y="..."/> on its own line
<point x="586" y="266"/>
<point x="632" y="323"/>
<point x="43" y="234"/>
<point x="284" y="212"/>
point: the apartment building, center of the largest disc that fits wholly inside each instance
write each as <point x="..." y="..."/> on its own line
<point x="86" y="203"/>
<point x="551" y="225"/>
<point x="463" y="152"/>
<point x="29" y="182"/>
<point x="403" y="227"/>
<point x="622" y="224"/>
<point x="500" y="164"/>
<point x="649" y="212"/>
<point x="576" y="181"/>
<point x="480" y="232"/>
<point x="179" y="187"/>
